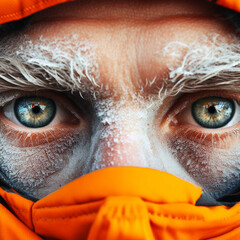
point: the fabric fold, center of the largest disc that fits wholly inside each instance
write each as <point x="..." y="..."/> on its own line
<point x="119" y="203"/>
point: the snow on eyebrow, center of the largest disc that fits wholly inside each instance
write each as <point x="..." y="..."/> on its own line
<point x="70" y="65"/>
<point x="62" y="64"/>
<point x="209" y="65"/>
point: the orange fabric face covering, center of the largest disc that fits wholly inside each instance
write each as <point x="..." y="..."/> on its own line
<point x="119" y="203"/>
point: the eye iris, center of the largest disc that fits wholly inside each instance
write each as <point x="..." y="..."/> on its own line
<point x="34" y="112"/>
<point x="213" y="112"/>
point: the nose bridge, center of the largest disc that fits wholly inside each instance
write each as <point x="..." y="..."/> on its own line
<point x="126" y="139"/>
<point x="124" y="146"/>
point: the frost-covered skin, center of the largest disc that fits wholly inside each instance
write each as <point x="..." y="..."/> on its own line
<point x="135" y="67"/>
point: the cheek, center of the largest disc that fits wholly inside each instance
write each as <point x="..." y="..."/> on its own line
<point x="215" y="169"/>
<point x="29" y="168"/>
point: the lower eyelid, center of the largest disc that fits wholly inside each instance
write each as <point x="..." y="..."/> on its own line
<point x="21" y="138"/>
<point x="209" y="138"/>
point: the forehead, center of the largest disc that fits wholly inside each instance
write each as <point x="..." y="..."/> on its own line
<point x="133" y="42"/>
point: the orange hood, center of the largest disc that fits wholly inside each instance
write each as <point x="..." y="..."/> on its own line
<point x="116" y="203"/>
<point x="11" y="10"/>
<point x="120" y="203"/>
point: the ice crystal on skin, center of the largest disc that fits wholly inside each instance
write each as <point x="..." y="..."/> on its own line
<point x="216" y="170"/>
<point x="31" y="168"/>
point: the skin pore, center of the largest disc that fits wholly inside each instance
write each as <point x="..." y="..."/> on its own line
<point x="123" y="75"/>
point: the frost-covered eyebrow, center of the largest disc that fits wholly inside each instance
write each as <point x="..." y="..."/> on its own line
<point x="210" y="66"/>
<point x="62" y="66"/>
<point x="66" y="65"/>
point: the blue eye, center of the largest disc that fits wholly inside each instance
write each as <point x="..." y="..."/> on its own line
<point x="34" y="112"/>
<point x="213" y="112"/>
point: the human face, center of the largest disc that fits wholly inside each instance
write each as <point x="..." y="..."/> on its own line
<point x="112" y="83"/>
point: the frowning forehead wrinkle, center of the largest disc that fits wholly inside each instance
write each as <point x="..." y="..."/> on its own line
<point x="65" y="65"/>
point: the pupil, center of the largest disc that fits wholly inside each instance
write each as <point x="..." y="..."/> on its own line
<point x="36" y="109"/>
<point x="211" y="109"/>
